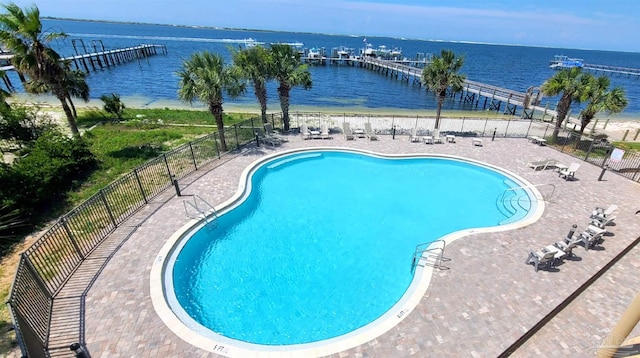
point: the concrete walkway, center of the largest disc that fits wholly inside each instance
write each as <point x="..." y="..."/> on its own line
<point x="479" y="307"/>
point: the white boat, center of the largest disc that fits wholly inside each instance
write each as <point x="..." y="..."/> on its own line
<point x="382" y="52"/>
<point x="314" y="54"/>
<point x="560" y="62"/>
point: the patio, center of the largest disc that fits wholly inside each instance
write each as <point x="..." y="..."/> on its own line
<point x="479" y="307"/>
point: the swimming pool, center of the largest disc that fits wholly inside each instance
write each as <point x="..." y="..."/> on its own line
<point x="320" y="244"/>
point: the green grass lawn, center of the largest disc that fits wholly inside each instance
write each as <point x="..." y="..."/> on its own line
<point x="143" y="134"/>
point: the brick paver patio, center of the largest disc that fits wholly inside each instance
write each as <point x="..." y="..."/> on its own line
<point x="478" y="308"/>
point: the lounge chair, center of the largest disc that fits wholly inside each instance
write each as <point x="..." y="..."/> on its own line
<point x="539" y="258"/>
<point x="268" y="128"/>
<point x="414" y="135"/>
<point x="304" y="132"/>
<point x="590" y="239"/>
<point x="348" y="134"/>
<point x="537" y="140"/>
<point x="436" y="136"/>
<point x="476" y="142"/>
<point x="569" y="173"/>
<point x="324" y="132"/>
<point x="369" y="131"/>
<point x="542" y="164"/>
<point x="602" y="222"/>
<point x="568" y="244"/>
<point x="265" y="139"/>
<point x="602" y="213"/>
<point x="428" y="139"/>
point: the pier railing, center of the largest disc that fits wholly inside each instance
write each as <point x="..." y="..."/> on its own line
<point x="46" y="267"/>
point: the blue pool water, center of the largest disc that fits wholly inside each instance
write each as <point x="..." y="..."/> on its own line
<point x="323" y="244"/>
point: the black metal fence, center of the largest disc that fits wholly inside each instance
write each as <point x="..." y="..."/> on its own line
<point x="47" y="265"/>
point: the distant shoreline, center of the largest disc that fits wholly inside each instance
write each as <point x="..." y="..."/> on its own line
<point x="50" y="103"/>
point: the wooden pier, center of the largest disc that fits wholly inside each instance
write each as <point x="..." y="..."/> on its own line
<point x="622" y="71"/>
<point x="92" y="61"/>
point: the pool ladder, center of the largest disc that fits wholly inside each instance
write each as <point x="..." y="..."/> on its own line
<point x="430" y="254"/>
<point x="203" y="210"/>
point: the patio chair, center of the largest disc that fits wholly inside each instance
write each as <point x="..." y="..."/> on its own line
<point x="602" y="222"/>
<point x="369" y="131"/>
<point x="602" y="213"/>
<point x="539" y="258"/>
<point x="348" y="134"/>
<point x="268" y="128"/>
<point x="414" y="135"/>
<point x="569" y="173"/>
<point x="590" y="239"/>
<point x="324" y="132"/>
<point x="304" y="131"/>
<point x="542" y="164"/>
<point x="436" y="136"/>
<point x="567" y="245"/>
<point x="265" y="139"/>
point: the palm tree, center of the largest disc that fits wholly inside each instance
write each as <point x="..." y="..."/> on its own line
<point x="442" y="74"/>
<point x="21" y="33"/>
<point x="289" y="71"/>
<point x="205" y="77"/>
<point x="571" y="84"/>
<point x="74" y="85"/>
<point x="600" y="99"/>
<point x="255" y="65"/>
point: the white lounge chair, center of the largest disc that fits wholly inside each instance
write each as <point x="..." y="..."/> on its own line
<point x="542" y="164"/>
<point x="324" y="132"/>
<point x="369" y="131"/>
<point x="602" y="213"/>
<point x="436" y="136"/>
<point x="568" y="244"/>
<point x="414" y="135"/>
<point x="602" y="222"/>
<point x="590" y="239"/>
<point x="304" y="132"/>
<point x="570" y="172"/>
<point x="538" y="258"/>
<point x="348" y="134"/>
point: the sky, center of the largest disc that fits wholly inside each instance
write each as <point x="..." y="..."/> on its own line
<point x="580" y="24"/>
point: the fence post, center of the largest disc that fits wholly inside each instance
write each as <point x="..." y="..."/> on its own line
<point x="144" y="196"/>
<point x="215" y="143"/>
<point x="529" y="128"/>
<point x="626" y="133"/>
<point x="166" y="163"/>
<point x="106" y="205"/>
<point x="193" y="157"/>
<point x="235" y="133"/>
<point x="63" y="221"/>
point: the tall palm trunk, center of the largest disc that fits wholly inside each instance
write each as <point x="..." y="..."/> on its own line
<point x="216" y="111"/>
<point x="73" y="107"/>
<point x="563" y="109"/>
<point x="438" y="111"/>
<point x="71" y="120"/>
<point x="283" y="93"/>
<point x="260" y="90"/>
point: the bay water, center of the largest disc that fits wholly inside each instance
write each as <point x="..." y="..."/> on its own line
<point x="153" y="82"/>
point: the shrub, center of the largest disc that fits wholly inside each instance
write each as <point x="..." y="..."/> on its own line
<point x="52" y="166"/>
<point x="113" y="104"/>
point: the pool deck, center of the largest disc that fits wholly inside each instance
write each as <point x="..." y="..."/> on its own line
<point x="477" y="308"/>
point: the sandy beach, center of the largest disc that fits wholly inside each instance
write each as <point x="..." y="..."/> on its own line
<point x="617" y="128"/>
